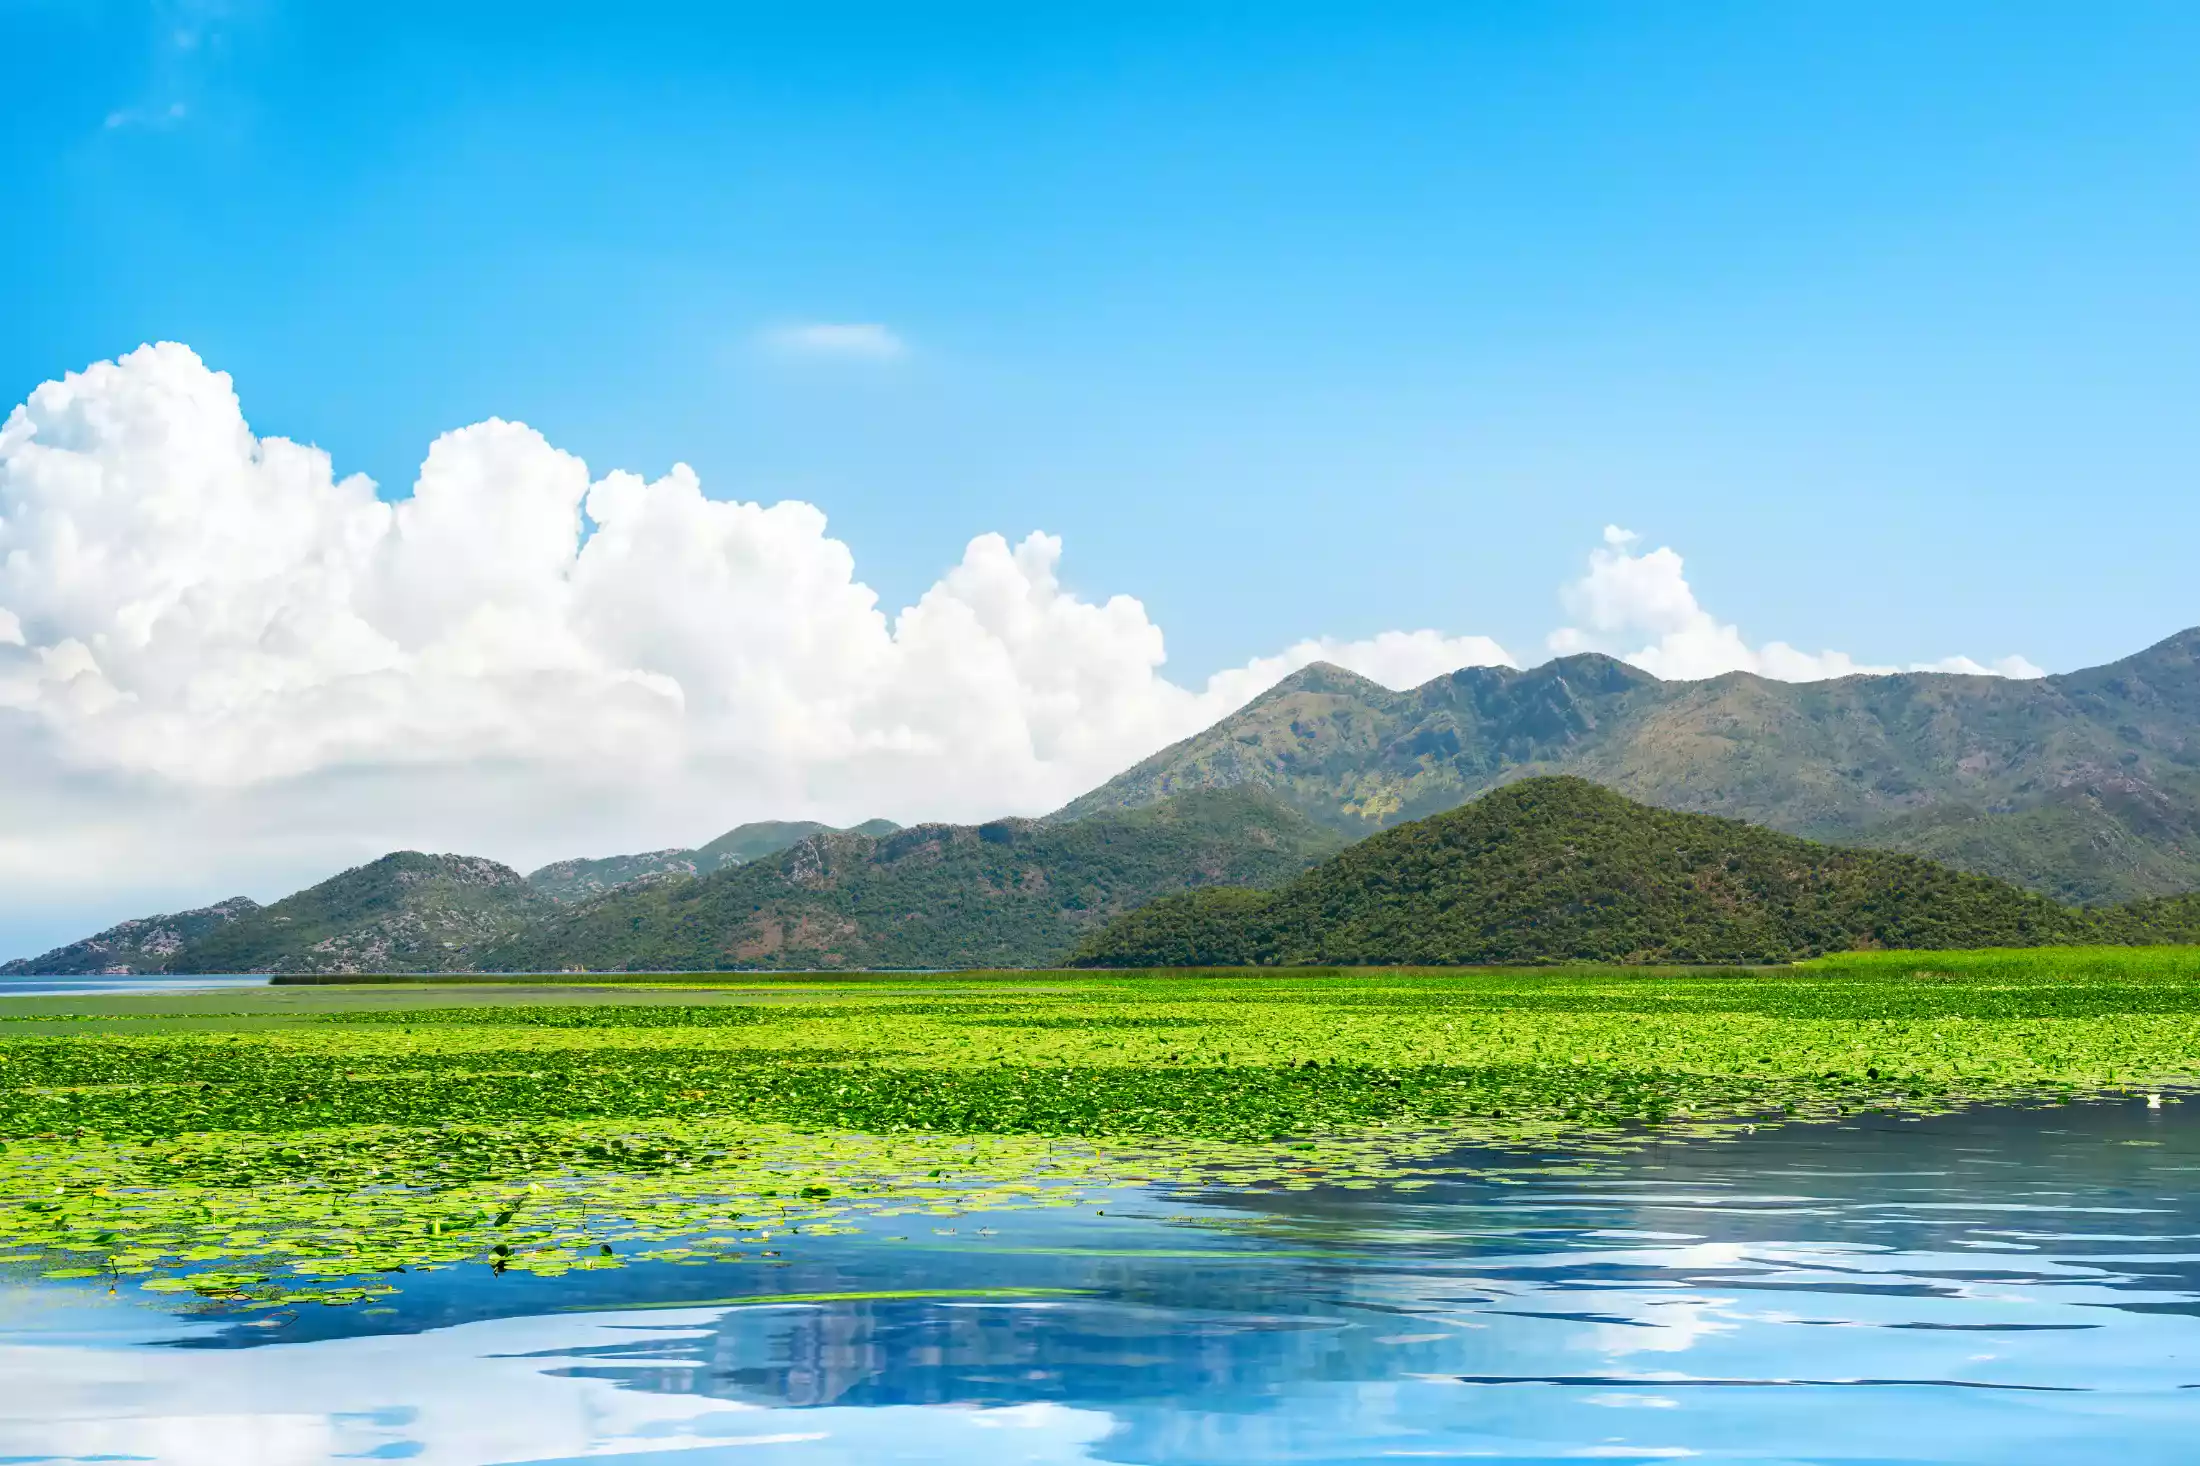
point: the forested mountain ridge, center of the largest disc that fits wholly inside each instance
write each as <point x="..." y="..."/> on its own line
<point x="1556" y="868"/>
<point x="2084" y="786"/>
<point x="1013" y="893"/>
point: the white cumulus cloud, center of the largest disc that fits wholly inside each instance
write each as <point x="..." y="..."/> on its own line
<point x="1398" y="659"/>
<point x="219" y="656"/>
<point x="850" y="340"/>
<point x="1638" y="605"/>
<point x="226" y="667"/>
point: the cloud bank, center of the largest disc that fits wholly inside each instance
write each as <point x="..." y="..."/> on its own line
<point x="223" y="667"/>
<point x="211" y="637"/>
<point x="1630" y="597"/>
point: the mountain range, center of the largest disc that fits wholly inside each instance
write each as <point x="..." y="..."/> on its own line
<point x="2083" y="788"/>
<point x="406" y="912"/>
<point x="1013" y="893"/>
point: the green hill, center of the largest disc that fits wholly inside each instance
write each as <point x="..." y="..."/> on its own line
<point x="769" y="837"/>
<point x="1558" y="869"/>
<point x="1014" y="893"/>
<point x="406" y="912"/>
<point x="143" y="944"/>
<point x="2085" y="786"/>
<point x="579" y="880"/>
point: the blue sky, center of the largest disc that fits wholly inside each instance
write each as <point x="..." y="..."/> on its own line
<point x="1291" y="320"/>
<point x="1303" y="326"/>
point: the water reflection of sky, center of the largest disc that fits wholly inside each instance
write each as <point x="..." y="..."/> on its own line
<point x="1992" y="1288"/>
<point x="118" y="987"/>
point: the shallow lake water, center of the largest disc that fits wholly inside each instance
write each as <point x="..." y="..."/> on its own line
<point x="162" y="985"/>
<point x="1998" y="1286"/>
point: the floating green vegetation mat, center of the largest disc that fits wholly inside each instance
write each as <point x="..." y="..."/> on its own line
<point x="262" y="1148"/>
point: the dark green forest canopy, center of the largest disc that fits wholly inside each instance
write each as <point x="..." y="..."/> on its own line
<point x="1560" y="869"/>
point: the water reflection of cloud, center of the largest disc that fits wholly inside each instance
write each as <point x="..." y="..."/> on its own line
<point x="495" y="1391"/>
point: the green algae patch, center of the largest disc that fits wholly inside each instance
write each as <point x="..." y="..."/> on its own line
<point x="258" y="1220"/>
<point x="320" y="1145"/>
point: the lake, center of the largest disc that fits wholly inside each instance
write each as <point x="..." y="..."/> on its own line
<point x="1996" y="1286"/>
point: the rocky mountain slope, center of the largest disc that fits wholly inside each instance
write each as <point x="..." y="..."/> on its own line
<point x="2084" y="786"/>
<point x="1560" y="869"/>
<point x="1013" y="893"/>
<point x="580" y="880"/>
<point x="406" y="912"/>
<point x="143" y="944"/>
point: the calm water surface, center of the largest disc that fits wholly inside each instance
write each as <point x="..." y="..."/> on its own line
<point x="1997" y="1287"/>
<point x="115" y="987"/>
